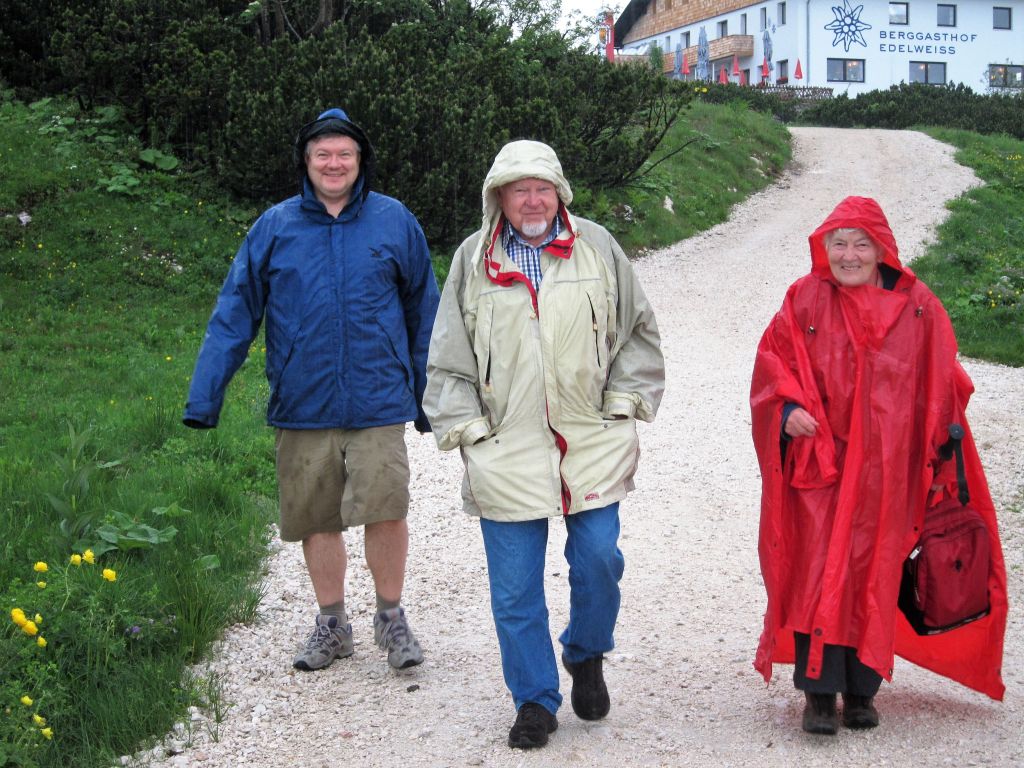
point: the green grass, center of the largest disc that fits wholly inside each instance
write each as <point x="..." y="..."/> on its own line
<point x="977" y="264"/>
<point x="104" y="297"/>
<point x="103" y="300"/>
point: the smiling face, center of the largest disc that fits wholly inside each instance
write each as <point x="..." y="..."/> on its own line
<point x="853" y="257"/>
<point x="530" y="205"/>
<point x="332" y="163"/>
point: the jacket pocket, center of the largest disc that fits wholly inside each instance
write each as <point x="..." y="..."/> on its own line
<point x="601" y="459"/>
<point x="400" y="361"/>
<point x="514" y="474"/>
<point x="599" y="323"/>
<point x="280" y="351"/>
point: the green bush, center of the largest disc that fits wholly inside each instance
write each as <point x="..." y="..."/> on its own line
<point x="439" y="87"/>
<point x="438" y="117"/>
<point x="906" y="105"/>
<point x="761" y="101"/>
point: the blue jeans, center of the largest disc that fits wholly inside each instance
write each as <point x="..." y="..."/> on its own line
<point x="515" y="569"/>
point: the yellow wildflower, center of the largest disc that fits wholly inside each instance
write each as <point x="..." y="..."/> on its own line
<point x="76" y="559"/>
<point x="18" y="617"/>
<point x="109" y="574"/>
<point x="41" y="641"/>
<point x="37" y="619"/>
<point x="40" y="567"/>
<point x="41" y="584"/>
<point x="30" y="628"/>
<point x="39" y="720"/>
<point x="47" y="732"/>
<point x="26" y="700"/>
<point x="89" y="557"/>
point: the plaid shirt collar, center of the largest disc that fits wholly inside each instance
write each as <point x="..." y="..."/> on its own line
<point x="510" y="237"/>
<point x="526" y="256"/>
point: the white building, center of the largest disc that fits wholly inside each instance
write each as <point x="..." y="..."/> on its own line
<point x="849" y="46"/>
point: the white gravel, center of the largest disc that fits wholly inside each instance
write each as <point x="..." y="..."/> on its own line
<point x="682" y="685"/>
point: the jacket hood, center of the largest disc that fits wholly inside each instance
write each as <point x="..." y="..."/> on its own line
<point x="336" y="122"/>
<point x="855" y="213"/>
<point x="520" y="160"/>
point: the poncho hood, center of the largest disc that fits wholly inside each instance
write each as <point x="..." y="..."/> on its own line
<point x="855" y="213"/>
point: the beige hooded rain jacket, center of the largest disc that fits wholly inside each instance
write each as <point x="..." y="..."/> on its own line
<point x="540" y="391"/>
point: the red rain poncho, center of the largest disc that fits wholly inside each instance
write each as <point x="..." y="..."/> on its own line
<point x="878" y="370"/>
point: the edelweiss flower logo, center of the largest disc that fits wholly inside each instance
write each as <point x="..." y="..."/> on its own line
<point x="847" y="25"/>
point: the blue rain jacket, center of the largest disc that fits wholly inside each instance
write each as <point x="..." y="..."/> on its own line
<point x="349" y="303"/>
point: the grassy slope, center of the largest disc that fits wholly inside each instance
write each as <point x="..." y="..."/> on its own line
<point x="977" y="264"/>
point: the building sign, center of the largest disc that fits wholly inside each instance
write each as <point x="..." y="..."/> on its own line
<point x="922" y="42"/>
<point x="848" y="30"/>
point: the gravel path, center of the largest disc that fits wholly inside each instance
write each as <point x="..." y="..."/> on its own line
<point x="682" y="685"/>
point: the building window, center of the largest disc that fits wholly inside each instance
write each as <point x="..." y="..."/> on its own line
<point x="946" y="15"/>
<point x="743" y="23"/>
<point x="723" y="28"/>
<point x="686" y="39"/>
<point x="668" y="43"/>
<point x="1002" y="18"/>
<point x="781" y="17"/>
<point x="764" y="19"/>
<point x="1006" y="76"/>
<point x="846" y="70"/>
<point x="782" y="70"/>
<point x="899" y="13"/>
<point x="931" y="72"/>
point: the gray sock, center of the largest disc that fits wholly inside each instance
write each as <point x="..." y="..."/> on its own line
<point x="337" y="610"/>
<point x="386" y="605"/>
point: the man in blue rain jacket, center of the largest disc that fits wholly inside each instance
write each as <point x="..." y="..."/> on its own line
<point x="342" y="277"/>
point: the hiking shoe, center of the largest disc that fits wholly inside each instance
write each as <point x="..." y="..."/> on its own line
<point x="327" y="643"/>
<point x="589" y="693"/>
<point x="532" y="726"/>
<point x="859" y="711"/>
<point x="391" y="633"/>
<point x="820" y="714"/>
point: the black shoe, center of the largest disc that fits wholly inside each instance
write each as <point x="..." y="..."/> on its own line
<point x="589" y="693"/>
<point x="532" y="726"/>
<point x="859" y="711"/>
<point x="820" y="714"/>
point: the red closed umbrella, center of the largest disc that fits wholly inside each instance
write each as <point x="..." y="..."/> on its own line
<point x="722" y="77"/>
<point x="799" y="73"/>
<point x="735" y="64"/>
<point x="686" y="65"/>
<point x="764" y="68"/>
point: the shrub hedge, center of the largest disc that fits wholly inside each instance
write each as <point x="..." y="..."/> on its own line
<point x="906" y="105"/>
<point x="439" y="85"/>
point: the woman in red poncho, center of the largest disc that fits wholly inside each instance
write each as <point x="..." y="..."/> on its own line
<point x="855" y="384"/>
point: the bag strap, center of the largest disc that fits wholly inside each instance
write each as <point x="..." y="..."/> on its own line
<point x="947" y="450"/>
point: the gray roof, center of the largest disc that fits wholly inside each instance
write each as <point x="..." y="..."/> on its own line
<point x="633" y="11"/>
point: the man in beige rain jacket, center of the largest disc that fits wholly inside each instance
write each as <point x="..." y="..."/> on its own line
<point x="544" y="354"/>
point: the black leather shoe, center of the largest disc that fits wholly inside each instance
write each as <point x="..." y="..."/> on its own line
<point x="820" y="714"/>
<point x="859" y="711"/>
<point x="532" y="726"/>
<point x="589" y="693"/>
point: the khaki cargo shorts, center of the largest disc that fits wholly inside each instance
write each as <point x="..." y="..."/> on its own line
<point x="332" y="479"/>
